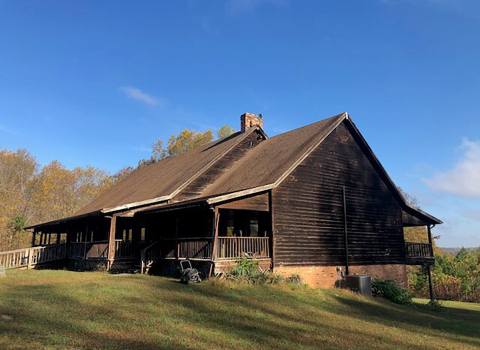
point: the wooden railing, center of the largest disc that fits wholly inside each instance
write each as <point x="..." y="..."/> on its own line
<point x="182" y="248"/>
<point x="99" y="250"/>
<point x="195" y="248"/>
<point x="30" y="257"/>
<point x="235" y="247"/>
<point x="124" y="249"/>
<point x="419" y="250"/>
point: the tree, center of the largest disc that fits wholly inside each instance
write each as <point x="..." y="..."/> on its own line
<point x="32" y="194"/>
<point x="158" y="151"/>
<point x="409" y="198"/>
<point x="187" y="140"/>
<point x="225" y="131"/>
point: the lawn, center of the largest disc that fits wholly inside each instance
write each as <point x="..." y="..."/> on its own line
<point x="41" y="309"/>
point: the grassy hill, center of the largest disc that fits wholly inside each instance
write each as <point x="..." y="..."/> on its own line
<point x="43" y="309"/>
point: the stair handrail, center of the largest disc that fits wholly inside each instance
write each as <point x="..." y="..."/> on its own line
<point x="143" y="256"/>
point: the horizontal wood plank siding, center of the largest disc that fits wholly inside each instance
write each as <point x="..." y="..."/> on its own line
<point x="257" y="202"/>
<point x="309" y="222"/>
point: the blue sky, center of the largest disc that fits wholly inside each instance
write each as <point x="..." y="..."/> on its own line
<point x="97" y="82"/>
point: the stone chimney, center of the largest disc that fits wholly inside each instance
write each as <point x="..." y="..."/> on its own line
<point x="249" y="120"/>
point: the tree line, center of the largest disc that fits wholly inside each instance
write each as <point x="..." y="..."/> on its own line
<point x="31" y="193"/>
<point x="455" y="276"/>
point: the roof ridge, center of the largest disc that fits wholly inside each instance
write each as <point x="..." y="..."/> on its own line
<point x="216" y="159"/>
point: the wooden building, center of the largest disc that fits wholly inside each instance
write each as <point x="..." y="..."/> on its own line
<point x="314" y="201"/>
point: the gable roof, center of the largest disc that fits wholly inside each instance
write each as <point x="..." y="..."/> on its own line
<point x="262" y="168"/>
<point x="272" y="160"/>
<point x="161" y="181"/>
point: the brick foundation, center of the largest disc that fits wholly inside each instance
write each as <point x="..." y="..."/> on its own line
<point x="330" y="276"/>
<point x="221" y="267"/>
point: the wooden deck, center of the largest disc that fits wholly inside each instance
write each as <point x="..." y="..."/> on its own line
<point x="30" y="257"/>
<point x="419" y="253"/>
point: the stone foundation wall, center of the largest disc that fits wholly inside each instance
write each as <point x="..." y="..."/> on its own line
<point x="331" y="276"/>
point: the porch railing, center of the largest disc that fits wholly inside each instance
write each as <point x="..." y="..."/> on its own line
<point x="234" y="247"/>
<point x="188" y="248"/>
<point x="99" y="249"/>
<point x="30" y="257"/>
<point x="184" y="248"/>
<point x="419" y="250"/>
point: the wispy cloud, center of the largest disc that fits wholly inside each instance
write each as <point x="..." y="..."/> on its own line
<point x="473" y="214"/>
<point x="241" y="6"/>
<point x="8" y="131"/>
<point x="140" y="148"/>
<point x="464" y="178"/>
<point x="139" y="95"/>
<point x="466" y="8"/>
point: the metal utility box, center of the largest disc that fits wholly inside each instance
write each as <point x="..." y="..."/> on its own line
<point x="360" y="284"/>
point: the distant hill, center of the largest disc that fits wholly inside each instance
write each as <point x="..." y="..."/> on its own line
<point x="454" y="251"/>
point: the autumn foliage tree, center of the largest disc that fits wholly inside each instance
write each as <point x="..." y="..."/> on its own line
<point x="30" y="193"/>
<point x="183" y="142"/>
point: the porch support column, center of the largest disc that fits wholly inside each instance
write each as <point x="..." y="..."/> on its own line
<point x="430" y="282"/>
<point x="430" y="240"/>
<point x="34" y="236"/>
<point x="215" y="222"/>
<point x="111" y="242"/>
<point x="85" y="242"/>
<point x="177" y="248"/>
<point x="272" y="226"/>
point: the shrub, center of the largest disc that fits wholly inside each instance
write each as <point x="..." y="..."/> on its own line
<point x="248" y="271"/>
<point x="389" y="290"/>
<point x="435" y="305"/>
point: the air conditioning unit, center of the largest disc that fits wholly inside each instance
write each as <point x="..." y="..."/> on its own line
<point x="360" y="284"/>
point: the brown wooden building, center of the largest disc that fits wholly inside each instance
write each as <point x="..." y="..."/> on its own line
<point x="314" y="201"/>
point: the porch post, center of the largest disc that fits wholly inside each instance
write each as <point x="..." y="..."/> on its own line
<point x="272" y="226"/>
<point x="430" y="282"/>
<point x="34" y="236"/>
<point x="85" y="243"/>
<point x="111" y="242"/>
<point x="430" y="241"/>
<point x="177" y="253"/>
<point x="215" y="222"/>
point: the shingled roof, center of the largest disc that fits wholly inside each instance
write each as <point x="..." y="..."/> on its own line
<point x="163" y="180"/>
<point x="263" y="167"/>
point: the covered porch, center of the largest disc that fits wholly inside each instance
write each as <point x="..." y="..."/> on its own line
<point x="215" y="234"/>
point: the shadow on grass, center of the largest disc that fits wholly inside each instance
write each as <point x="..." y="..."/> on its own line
<point x="447" y="323"/>
<point x="97" y="311"/>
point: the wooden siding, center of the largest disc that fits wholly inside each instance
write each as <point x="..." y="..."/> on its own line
<point x="197" y="186"/>
<point x="257" y="202"/>
<point x="309" y="221"/>
<point x="410" y="220"/>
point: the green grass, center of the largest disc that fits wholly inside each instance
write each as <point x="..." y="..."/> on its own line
<point x="458" y="305"/>
<point x="73" y="310"/>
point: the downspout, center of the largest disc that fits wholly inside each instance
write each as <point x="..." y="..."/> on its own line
<point x="345" y="229"/>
